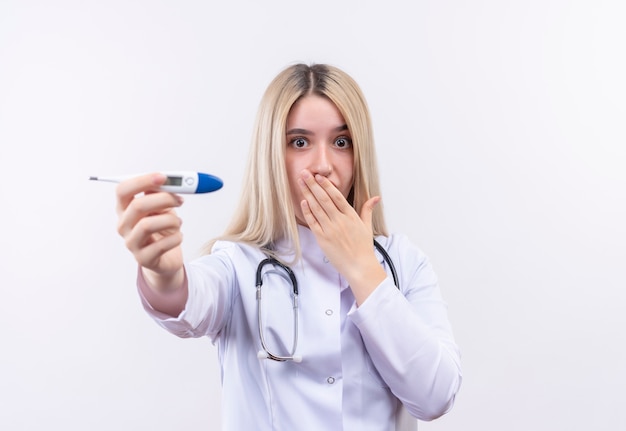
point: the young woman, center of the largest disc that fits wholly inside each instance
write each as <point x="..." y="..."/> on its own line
<point x="317" y="327"/>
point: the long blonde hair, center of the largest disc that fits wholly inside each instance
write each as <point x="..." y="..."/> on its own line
<point x="265" y="212"/>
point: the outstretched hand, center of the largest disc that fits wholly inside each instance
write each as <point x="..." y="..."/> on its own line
<point x="151" y="229"/>
<point x="344" y="235"/>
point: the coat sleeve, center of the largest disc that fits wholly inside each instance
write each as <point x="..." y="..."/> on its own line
<point x="211" y="284"/>
<point x="409" y="337"/>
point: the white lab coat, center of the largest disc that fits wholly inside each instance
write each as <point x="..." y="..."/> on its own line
<point x="360" y="366"/>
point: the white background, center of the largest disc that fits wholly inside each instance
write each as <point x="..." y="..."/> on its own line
<point x="501" y="137"/>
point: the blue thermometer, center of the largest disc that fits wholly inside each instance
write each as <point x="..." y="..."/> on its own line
<point x="184" y="182"/>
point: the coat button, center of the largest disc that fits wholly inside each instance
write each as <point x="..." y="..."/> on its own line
<point x="329" y="312"/>
<point x="326" y="259"/>
<point x="330" y="380"/>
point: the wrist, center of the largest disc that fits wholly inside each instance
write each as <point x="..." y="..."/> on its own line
<point x="164" y="283"/>
<point x="364" y="281"/>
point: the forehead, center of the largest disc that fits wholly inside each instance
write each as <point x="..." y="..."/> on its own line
<point x="315" y="110"/>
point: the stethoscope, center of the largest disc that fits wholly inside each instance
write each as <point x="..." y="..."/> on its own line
<point x="265" y="352"/>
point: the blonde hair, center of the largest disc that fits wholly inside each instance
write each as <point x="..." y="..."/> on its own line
<point x="265" y="212"/>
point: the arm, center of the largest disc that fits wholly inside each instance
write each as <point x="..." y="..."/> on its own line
<point x="408" y="336"/>
<point x="170" y="302"/>
<point x="151" y="231"/>
<point x="210" y="289"/>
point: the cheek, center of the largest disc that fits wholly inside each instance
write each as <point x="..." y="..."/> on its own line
<point x="348" y="177"/>
<point x="293" y="174"/>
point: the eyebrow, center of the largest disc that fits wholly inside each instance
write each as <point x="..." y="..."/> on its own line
<point x="306" y="132"/>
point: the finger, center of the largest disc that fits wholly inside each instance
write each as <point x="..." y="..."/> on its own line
<point x="324" y="191"/>
<point x="317" y="205"/>
<point x="367" y="211"/>
<point x="128" y="189"/>
<point x="338" y="199"/>
<point x="144" y="206"/>
<point x="325" y="199"/>
<point x="150" y="256"/>
<point x="149" y="229"/>
<point x="309" y="217"/>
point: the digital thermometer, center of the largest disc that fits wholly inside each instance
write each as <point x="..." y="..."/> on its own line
<point x="184" y="182"/>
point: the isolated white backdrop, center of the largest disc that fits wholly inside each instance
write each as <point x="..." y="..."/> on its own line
<point x="500" y="132"/>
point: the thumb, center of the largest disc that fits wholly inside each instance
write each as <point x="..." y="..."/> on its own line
<point x="367" y="210"/>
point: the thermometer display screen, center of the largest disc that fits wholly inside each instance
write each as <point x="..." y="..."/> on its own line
<point x="174" y="181"/>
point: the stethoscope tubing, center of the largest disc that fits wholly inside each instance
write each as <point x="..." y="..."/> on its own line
<point x="389" y="262"/>
<point x="265" y="353"/>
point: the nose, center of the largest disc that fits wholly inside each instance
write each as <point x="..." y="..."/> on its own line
<point x="322" y="164"/>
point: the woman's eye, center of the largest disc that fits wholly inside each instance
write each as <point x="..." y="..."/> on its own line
<point x="343" y="142"/>
<point x="299" y="143"/>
